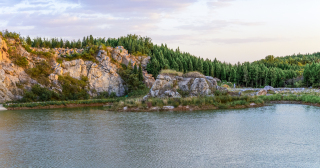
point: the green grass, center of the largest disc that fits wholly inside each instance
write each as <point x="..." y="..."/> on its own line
<point x="48" y="103"/>
<point x="222" y="102"/>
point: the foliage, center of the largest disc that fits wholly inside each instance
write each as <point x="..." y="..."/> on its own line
<point x="74" y="89"/>
<point x="39" y="93"/>
<point x="170" y="72"/>
<point x="130" y="77"/>
<point x="40" y="72"/>
<point x="21" y="61"/>
<point x="193" y="74"/>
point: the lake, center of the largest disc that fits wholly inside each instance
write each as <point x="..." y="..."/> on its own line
<point x="270" y="136"/>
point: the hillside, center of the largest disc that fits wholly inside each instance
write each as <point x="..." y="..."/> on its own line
<point x="98" y="67"/>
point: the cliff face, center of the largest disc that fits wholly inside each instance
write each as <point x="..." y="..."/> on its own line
<point x="102" y="74"/>
<point x="3" y="50"/>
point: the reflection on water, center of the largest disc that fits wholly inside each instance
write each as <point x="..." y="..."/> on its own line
<point x="273" y="136"/>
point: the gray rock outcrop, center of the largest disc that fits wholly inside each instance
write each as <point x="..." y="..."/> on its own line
<point x="170" y="86"/>
<point x="13" y="80"/>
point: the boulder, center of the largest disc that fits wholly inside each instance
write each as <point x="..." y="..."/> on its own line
<point x="168" y="86"/>
<point x="268" y="88"/>
<point x="262" y="92"/>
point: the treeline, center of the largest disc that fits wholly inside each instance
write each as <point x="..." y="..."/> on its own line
<point x="245" y="74"/>
<point x="290" y="62"/>
<point x="134" y="44"/>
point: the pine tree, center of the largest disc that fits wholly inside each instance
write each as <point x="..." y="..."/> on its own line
<point x="29" y="41"/>
<point x="140" y="75"/>
<point x="306" y="74"/>
<point x="190" y="66"/>
<point x="223" y="74"/>
<point x="245" y="75"/>
<point x="135" y="70"/>
<point x="233" y="75"/>
<point x="206" y="69"/>
<point x="212" y="71"/>
<point x="218" y="71"/>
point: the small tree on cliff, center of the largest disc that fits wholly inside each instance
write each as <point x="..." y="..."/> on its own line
<point x="140" y="75"/>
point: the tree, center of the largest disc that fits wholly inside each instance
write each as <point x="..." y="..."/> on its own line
<point x="206" y="69"/>
<point x="245" y="75"/>
<point x="140" y="75"/>
<point x="29" y="41"/>
<point x="233" y="75"/>
<point x="306" y="74"/>
<point x="135" y="70"/>
<point x="190" y="66"/>
<point x="223" y="74"/>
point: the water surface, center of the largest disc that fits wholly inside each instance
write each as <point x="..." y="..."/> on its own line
<point x="271" y="136"/>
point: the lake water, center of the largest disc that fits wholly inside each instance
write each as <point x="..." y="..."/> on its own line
<point x="271" y="136"/>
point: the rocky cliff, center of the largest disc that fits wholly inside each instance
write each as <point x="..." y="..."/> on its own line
<point x="168" y="85"/>
<point x="102" y="73"/>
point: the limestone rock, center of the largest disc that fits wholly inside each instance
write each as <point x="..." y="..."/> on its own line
<point x="168" y="86"/>
<point x="262" y="92"/>
<point x="268" y="88"/>
<point x="12" y="79"/>
<point x="148" y="79"/>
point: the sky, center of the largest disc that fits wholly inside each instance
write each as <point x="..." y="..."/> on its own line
<point x="229" y="30"/>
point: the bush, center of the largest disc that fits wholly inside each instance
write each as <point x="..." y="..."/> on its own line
<point x="171" y="72"/>
<point x="113" y="95"/>
<point x="74" y="89"/>
<point x="103" y="95"/>
<point x="22" y="62"/>
<point x="39" y="93"/>
<point x="194" y="74"/>
<point x="41" y="72"/>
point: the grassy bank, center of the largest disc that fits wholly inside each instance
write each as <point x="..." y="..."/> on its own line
<point x="58" y="103"/>
<point x="305" y="98"/>
<point x="216" y="102"/>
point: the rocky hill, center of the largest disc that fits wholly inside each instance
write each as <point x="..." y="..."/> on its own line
<point x="18" y="66"/>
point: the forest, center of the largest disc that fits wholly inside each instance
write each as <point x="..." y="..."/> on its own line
<point x="297" y="70"/>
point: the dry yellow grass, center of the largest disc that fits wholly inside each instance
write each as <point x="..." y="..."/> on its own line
<point x="171" y="72"/>
<point x="194" y="74"/>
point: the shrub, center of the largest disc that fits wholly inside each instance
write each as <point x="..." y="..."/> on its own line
<point x="103" y="95"/>
<point x="223" y="106"/>
<point x="22" y="62"/>
<point x="113" y="95"/>
<point x="194" y="74"/>
<point x="74" y="89"/>
<point x="171" y="72"/>
<point x="41" y="72"/>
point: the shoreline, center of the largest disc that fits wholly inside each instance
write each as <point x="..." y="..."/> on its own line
<point x="57" y="106"/>
<point x="153" y="109"/>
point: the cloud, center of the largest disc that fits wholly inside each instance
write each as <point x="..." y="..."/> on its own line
<point x="243" y="40"/>
<point x="219" y="3"/>
<point x="80" y="17"/>
<point x="215" y="25"/>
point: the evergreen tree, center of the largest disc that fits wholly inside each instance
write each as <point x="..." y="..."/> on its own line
<point x="223" y="74"/>
<point x="135" y="70"/>
<point x="245" y="75"/>
<point x="190" y="66"/>
<point x="140" y="75"/>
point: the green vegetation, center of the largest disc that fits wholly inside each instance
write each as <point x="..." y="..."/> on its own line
<point x="132" y="78"/>
<point x="40" y="72"/>
<point x="171" y="72"/>
<point x="222" y="102"/>
<point x="37" y="104"/>
<point x="306" y="98"/>
<point x="74" y="89"/>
